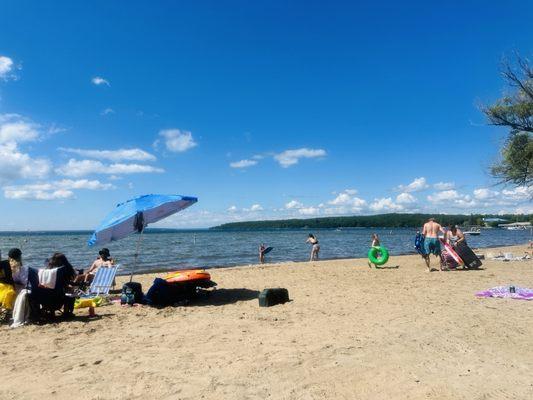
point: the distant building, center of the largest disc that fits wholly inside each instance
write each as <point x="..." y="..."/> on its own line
<point x="492" y="222"/>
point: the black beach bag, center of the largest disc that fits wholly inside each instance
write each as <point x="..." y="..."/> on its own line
<point x="132" y="292"/>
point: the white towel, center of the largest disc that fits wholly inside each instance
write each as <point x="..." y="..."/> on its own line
<point x="47" y="278"/>
<point x="21" y="309"/>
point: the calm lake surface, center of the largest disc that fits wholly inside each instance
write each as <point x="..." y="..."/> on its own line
<point x="205" y="248"/>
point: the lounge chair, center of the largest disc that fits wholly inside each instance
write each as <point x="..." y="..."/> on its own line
<point x="102" y="281"/>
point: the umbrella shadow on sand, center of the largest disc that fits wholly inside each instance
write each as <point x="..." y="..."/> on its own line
<point x="220" y="297"/>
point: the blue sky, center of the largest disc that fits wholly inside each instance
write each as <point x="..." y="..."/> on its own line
<point x="272" y="110"/>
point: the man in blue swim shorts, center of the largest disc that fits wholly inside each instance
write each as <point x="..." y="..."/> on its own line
<point x="431" y="241"/>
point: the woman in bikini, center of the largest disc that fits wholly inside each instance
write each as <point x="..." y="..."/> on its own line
<point x="315" y="249"/>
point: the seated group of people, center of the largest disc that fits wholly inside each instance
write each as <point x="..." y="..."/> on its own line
<point x="14" y="278"/>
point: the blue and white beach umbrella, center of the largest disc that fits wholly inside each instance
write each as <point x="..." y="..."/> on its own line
<point x="135" y="214"/>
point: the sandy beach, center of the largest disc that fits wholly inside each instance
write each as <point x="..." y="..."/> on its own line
<point x="350" y="332"/>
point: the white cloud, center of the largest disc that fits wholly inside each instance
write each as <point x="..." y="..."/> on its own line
<point x="452" y="199"/>
<point x="53" y="190"/>
<point x="293" y="205"/>
<point x="446" y="195"/>
<point x="347" y="198"/>
<point x="256" y="207"/>
<point x="405" y="198"/>
<point x="98" y="80"/>
<point x="7" y="67"/>
<point x="16" y="129"/>
<point x="519" y="193"/>
<point x="17" y="165"/>
<point x="485" y="194"/>
<point x="292" y="157"/>
<point x="243" y="164"/>
<point x="416" y="185"/>
<point x="14" y="164"/>
<point x="177" y="141"/>
<point x="232" y="209"/>
<point x="444" y="185"/>
<point x="78" y="168"/>
<point x="309" y="211"/>
<point x="107" y="111"/>
<point x="112" y="155"/>
<point x="385" y="204"/>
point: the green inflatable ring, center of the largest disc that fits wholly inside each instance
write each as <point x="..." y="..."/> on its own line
<point x="378" y="255"/>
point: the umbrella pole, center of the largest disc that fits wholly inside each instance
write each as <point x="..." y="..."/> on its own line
<point x="137" y="248"/>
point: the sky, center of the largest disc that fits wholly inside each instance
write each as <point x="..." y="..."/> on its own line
<point x="262" y="110"/>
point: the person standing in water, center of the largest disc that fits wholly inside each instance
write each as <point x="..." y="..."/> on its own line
<point x="430" y="232"/>
<point x="315" y="249"/>
<point x="262" y="249"/>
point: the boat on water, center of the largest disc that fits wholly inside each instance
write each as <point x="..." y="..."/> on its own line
<point x="472" y="232"/>
<point x="516" y="226"/>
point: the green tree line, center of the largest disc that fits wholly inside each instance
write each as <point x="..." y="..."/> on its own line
<point x="373" y="221"/>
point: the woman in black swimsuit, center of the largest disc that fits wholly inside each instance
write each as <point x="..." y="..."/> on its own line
<point x="315" y="246"/>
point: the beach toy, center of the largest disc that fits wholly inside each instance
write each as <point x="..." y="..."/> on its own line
<point x="88" y="302"/>
<point x="451" y="252"/>
<point x="187" y="275"/>
<point x="378" y="255"/>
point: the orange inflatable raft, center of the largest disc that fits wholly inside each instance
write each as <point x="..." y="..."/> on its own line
<point x="188" y="275"/>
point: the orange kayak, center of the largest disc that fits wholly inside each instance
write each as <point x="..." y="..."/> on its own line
<point x="188" y="275"/>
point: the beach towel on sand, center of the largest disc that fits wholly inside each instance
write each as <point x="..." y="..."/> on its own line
<point x="505" y="292"/>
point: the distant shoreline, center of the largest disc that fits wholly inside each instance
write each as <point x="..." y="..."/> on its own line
<point x="392" y="220"/>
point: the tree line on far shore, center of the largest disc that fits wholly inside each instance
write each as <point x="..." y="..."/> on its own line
<point x="378" y="221"/>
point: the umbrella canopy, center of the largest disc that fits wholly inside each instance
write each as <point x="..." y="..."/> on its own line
<point x="135" y="214"/>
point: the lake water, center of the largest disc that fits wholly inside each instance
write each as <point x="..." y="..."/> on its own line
<point x="205" y="248"/>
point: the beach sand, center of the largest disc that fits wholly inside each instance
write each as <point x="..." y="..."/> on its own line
<point x="350" y="332"/>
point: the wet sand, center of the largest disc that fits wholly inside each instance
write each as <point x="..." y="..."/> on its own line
<point x="350" y="332"/>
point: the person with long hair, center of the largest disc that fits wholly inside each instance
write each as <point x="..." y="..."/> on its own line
<point x="60" y="260"/>
<point x="315" y="247"/>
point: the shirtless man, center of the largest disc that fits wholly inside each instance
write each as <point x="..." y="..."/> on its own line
<point x="431" y="240"/>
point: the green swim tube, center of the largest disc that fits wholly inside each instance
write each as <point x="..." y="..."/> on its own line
<point x="378" y="255"/>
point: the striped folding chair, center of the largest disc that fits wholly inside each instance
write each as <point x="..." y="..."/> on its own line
<point x="103" y="281"/>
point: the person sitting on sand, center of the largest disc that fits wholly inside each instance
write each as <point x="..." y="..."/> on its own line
<point x="315" y="249"/>
<point x="454" y="236"/>
<point x="430" y="233"/>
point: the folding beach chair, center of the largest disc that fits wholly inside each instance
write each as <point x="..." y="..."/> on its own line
<point x="46" y="299"/>
<point x="103" y="281"/>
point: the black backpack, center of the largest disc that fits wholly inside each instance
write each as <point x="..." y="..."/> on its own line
<point x="132" y="292"/>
